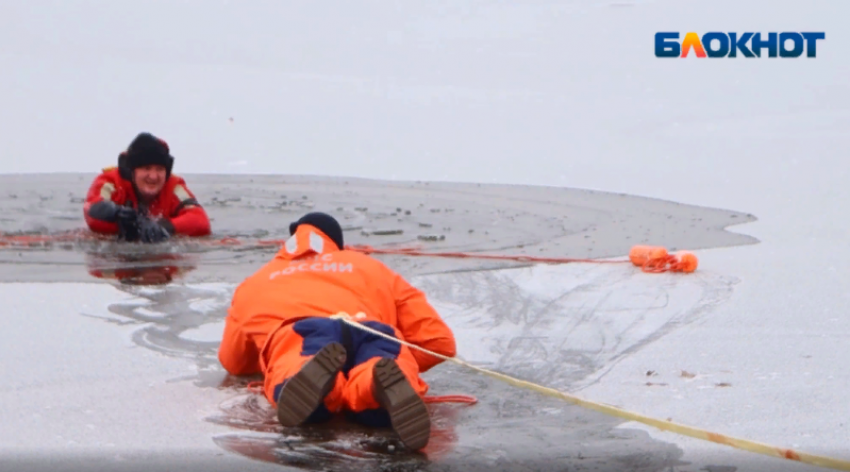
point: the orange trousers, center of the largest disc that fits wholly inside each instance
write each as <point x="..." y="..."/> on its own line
<point x="294" y="344"/>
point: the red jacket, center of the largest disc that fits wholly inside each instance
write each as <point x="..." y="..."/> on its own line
<point x="175" y="203"/>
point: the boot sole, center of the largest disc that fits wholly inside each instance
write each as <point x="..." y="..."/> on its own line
<point x="307" y="389"/>
<point x="407" y="411"/>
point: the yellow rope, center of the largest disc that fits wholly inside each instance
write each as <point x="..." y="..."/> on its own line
<point x="665" y="425"/>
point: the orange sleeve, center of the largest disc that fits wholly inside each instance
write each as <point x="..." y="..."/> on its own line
<point x="420" y="324"/>
<point x="237" y="353"/>
<point x="103" y="189"/>
<point x="190" y="218"/>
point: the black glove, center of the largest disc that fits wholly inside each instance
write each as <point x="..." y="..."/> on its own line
<point x="106" y="210"/>
<point x="154" y="231"/>
<point x="127" y="220"/>
<point x="126" y="214"/>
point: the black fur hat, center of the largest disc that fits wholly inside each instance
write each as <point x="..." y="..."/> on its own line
<point x="145" y="150"/>
<point x="324" y="223"/>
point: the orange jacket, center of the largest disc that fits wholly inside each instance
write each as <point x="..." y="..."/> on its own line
<point x="175" y="202"/>
<point x="310" y="277"/>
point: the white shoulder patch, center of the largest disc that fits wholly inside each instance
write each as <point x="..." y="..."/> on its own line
<point x="106" y="191"/>
<point x="316" y="242"/>
<point x="291" y="245"/>
<point x="181" y="193"/>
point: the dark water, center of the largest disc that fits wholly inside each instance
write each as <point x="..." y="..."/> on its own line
<point x="508" y="429"/>
<point x="498" y="219"/>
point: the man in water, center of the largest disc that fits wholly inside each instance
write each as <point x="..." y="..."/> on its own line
<point x="140" y="199"/>
<point x="314" y="366"/>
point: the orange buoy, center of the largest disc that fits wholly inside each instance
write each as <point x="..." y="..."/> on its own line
<point x="685" y="262"/>
<point x="640" y="255"/>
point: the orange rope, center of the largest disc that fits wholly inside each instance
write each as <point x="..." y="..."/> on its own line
<point x="521" y="258"/>
<point x="256" y="387"/>
<point x="660" y="262"/>
<point x="657" y="264"/>
<point x="468" y="399"/>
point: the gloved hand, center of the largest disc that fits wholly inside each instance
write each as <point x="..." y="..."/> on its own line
<point x="125" y="213"/>
<point x="153" y="231"/>
<point x="127" y="220"/>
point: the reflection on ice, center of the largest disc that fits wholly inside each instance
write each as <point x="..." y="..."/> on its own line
<point x="565" y="326"/>
<point x="562" y="326"/>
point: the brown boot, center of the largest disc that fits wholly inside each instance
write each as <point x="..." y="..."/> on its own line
<point x="407" y="411"/>
<point x="306" y="390"/>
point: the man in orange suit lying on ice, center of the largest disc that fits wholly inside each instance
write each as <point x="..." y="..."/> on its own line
<point x="314" y="366"/>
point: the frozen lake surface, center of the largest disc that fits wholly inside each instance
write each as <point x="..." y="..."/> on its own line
<point x="540" y="128"/>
